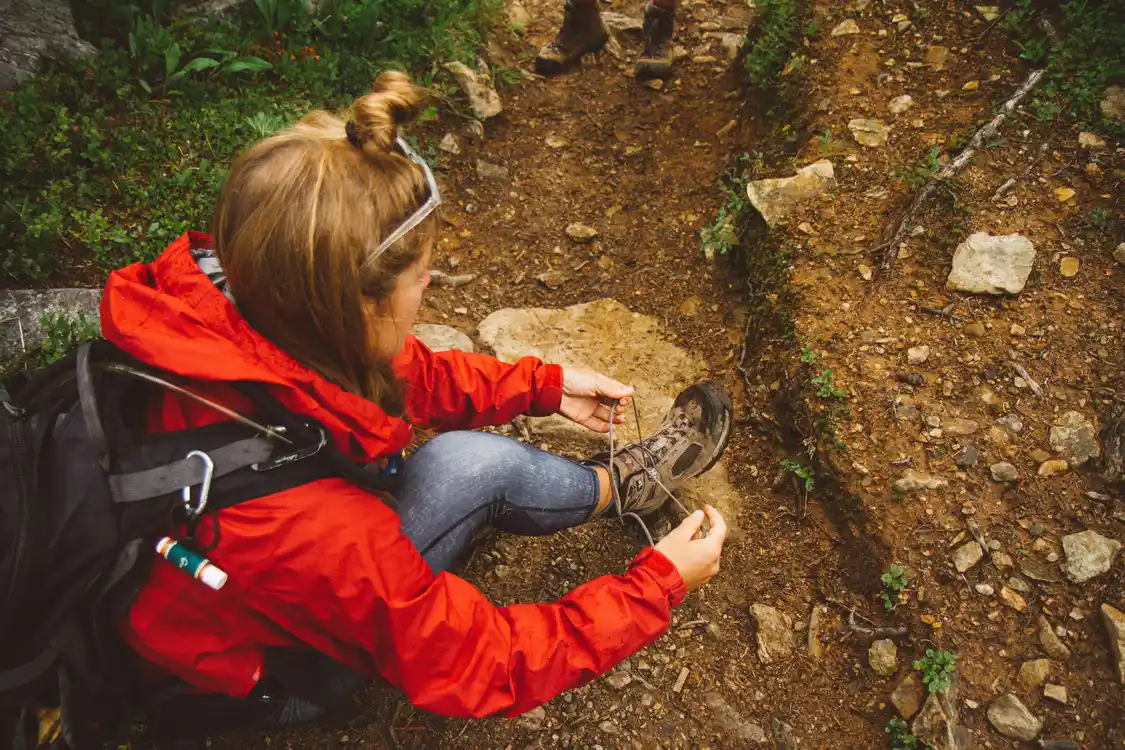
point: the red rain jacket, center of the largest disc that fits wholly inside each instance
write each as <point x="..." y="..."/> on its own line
<point x="325" y="565"/>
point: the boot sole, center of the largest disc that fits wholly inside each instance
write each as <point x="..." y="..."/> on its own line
<point x="652" y="69"/>
<point x="718" y="416"/>
<point x="548" y="67"/>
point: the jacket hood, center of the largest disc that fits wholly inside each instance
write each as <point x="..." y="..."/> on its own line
<point x="169" y="315"/>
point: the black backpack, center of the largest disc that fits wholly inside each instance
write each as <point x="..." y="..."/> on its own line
<point x="85" y="492"/>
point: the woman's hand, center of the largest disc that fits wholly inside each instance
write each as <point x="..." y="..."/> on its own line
<point x="584" y="395"/>
<point x="697" y="560"/>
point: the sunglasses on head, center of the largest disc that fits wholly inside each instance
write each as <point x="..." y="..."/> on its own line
<point x="427" y="208"/>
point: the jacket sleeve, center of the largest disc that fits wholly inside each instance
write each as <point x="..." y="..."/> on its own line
<point x="453" y="390"/>
<point x="349" y="584"/>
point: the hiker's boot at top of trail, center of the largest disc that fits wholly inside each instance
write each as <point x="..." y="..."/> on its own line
<point x="656" y="57"/>
<point x="690" y="440"/>
<point x="582" y="33"/>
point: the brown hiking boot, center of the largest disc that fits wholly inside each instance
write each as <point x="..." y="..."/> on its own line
<point x="689" y="442"/>
<point x="656" y="58"/>
<point x="582" y="32"/>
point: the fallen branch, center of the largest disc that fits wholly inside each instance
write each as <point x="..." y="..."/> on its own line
<point x="955" y="166"/>
<point x="872" y="632"/>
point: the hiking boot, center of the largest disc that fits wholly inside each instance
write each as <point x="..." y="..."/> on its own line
<point x="582" y="32"/>
<point x="689" y="442"/>
<point x="656" y="57"/>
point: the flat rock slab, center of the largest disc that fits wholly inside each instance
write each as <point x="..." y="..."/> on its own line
<point x="987" y="264"/>
<point x="634" y="349"/>
<point x="776" y="198"/>
<point x="440" y="338"/>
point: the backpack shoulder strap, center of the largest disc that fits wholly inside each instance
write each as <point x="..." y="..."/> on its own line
<point x="309" y="431"/>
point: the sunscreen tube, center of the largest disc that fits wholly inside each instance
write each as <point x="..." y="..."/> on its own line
<point x="191" y="562"/>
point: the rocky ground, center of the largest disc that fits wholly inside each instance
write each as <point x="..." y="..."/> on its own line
<point x="957" y="436"/>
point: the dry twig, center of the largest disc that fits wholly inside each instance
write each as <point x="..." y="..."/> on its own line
<point x="984" y="134"/>
<point x="441" y="278"/>
<point x="1023" y="374"/>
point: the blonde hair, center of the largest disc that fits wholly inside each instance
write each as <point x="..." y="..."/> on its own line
<point x="296" y="226"/>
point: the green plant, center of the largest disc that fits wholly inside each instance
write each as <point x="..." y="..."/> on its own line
<point x="898" y="733"/>
<point x="722" y="235"/>
<point x="803" y="473"/>
<point x="938" y="669"/>
<point x="918" y="176"/>
<point x="1032" y="50"/>
<point x="507" y="79"/>
<point x="809" y="356"/>
<point x="1100" y="218"/>
<point x="895" y="582"/>
<point x="276" y="16"/>
<point x="812" y="30"/>
<point x="825" y="387"/>
<point x="265" y="124"/>
<point x="107" y="159"/>
<point x="61" y="333"/>
<point x="778" y="33"/>
<point x="827" y="146"/>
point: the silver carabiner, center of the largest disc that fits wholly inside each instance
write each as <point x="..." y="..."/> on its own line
<point x="204" y="485"/>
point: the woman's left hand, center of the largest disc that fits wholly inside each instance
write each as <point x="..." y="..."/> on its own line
<point x="585" y="394"/>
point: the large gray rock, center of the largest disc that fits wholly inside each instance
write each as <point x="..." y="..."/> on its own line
<point x="1088" y="554"/>
<point x="1012" y="719"/>
<point x="984" y="264"/>
<point x="776" y="198"/>
<point x="1074" y="438"/>
<point x="33" y="32"/>
<point x="634" y="349"/>
<point x="23" y="310"/>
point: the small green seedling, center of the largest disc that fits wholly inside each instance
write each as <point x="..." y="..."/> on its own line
<point x="802" y="472"/>
<point x="938" y="669"/>
<point x="898" y="732"/>
<point x="894" y="583"/>
<point x="826" y="388"/>
<point x="809" y="355"/>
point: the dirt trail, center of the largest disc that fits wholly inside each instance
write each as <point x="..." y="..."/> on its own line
<point x="640" y="167"/>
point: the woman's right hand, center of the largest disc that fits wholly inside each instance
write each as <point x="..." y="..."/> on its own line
<point x="697" y="560"/>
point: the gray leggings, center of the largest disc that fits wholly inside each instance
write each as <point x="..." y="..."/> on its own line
<point x="455" y="485"/>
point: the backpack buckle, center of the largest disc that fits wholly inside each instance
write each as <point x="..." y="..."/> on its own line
<point x="196" y="509"/>
<point x="297" y="455"/>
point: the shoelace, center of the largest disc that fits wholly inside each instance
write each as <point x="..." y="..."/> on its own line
<point x="648" y="461"/>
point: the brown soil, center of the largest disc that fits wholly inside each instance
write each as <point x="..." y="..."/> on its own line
<point x="640" y="167"/>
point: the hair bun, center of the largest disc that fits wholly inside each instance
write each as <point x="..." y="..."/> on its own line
<point x="376" y="117"/>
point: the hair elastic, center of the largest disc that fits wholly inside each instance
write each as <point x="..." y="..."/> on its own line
<point x="353" y="134"/>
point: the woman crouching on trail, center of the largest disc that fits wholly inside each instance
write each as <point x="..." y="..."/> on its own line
<point x="310" y="285"/>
